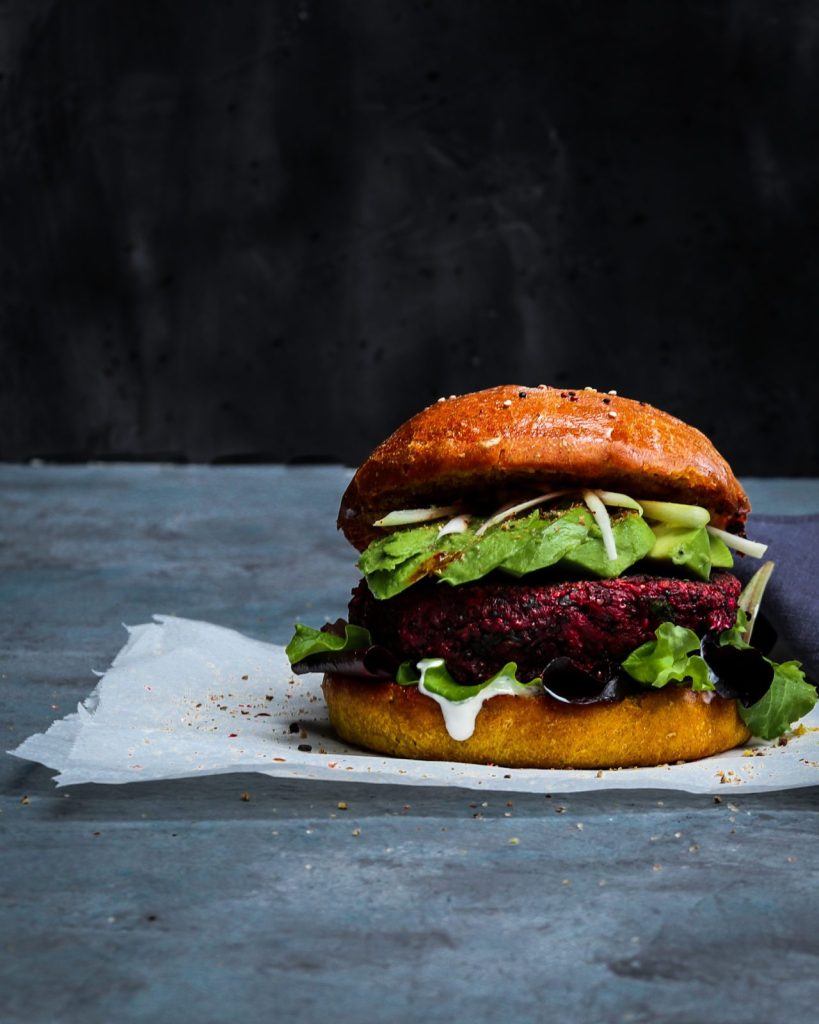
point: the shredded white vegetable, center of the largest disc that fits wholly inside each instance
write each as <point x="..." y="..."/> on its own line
<point x="601" y="516"/>
<point x="510" y="510"/>
<point x="405" y="516"/>
<point x="619" y="500"/>
<point x="459" y="524"/>
<point x="675" y="513"/>
<point x="741" y="544"/>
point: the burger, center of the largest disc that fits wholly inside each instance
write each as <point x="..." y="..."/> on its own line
<point x="548" y="581"/>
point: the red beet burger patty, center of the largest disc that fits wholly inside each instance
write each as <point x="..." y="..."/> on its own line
<point x="478" y="627"/>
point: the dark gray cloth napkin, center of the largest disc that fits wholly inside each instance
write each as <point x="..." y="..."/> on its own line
<point x="791" y="601"/>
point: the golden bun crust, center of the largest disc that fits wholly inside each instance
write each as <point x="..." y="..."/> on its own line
<point x="531" y="439"/>
<point x="657" y="727"/>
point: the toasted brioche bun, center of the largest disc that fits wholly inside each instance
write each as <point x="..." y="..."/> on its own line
<point x="511" y="438"/>
<point x="657" y="727"/>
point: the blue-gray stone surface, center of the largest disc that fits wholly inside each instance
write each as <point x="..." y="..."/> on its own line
<point x="242" y="898"/>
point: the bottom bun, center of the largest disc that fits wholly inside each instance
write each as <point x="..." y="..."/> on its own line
<point x="652" y="728"/>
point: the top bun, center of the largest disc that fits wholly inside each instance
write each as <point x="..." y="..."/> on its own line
<point x="519" y="440"/>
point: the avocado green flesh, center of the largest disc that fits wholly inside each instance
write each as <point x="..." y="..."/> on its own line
<point x="633" y="538"/>
<point x="692" y="549"/>
<point x="568" y="538"/>
<point x="687" y="548"/>
<point x="721" y="557"/>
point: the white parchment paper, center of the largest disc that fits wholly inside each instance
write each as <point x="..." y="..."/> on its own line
<point x="185" y="698"/>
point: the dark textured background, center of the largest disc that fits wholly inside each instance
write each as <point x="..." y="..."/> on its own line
<point x="273" y="230"/>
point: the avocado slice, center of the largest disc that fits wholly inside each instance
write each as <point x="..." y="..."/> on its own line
<point x="633" y="538"/>
<point x="685" y="547"/>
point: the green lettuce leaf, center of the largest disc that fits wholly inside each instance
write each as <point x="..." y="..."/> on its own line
<point x="407" y="674"/>
<point x="545" y="543"/>
<point x="733" y="636"/>
<point x="537" y="540"/>
<point x="789" y="699"/>
<point x="395" y="562"/>
<point x="437" y="680"/>
<point x="307" y="641"/>
<point x="517" y="546"/>
<point x="395" y="549"/>
<point x="669" y="658"/>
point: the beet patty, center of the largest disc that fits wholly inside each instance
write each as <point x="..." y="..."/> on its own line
<point x="479" y="627"/>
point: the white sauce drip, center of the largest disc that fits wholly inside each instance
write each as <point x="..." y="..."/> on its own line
<point x="460" y="716"/>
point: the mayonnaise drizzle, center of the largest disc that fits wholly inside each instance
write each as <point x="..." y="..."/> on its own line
<point x="460" y="715"/>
